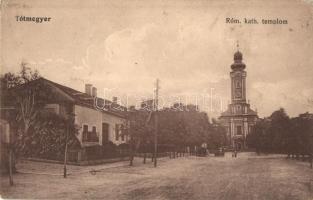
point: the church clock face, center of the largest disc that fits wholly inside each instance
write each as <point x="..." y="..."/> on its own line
<point x="238" y="93"/>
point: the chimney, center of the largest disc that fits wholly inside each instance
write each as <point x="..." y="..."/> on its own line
<point x="114" y="100"/>
<point x="88" y="89"/>
<point x="94" y="92"/>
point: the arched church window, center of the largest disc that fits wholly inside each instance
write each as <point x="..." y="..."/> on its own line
<point x="238" y="85"/>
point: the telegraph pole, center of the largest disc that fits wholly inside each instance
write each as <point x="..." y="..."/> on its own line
<point x="65" y="151"/>
<point x="68" y="129"/>
<point x="11" y="163"/>
<point x="156" y="123"/>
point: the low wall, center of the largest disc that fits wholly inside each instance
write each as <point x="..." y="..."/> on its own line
<point x="81" y="163"/>
<point x="164" y="154"/>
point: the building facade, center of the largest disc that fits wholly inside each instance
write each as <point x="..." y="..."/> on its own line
<point x="99" y="121"/>
<point x="239" y="118"/>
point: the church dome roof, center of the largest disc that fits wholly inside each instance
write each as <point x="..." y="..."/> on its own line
<point x="238" y="56"/>
<point x="238" y="64"/>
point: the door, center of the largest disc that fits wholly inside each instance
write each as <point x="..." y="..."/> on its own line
<point x="105" y="133"/>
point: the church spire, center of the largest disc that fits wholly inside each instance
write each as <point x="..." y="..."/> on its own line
<point x="237" y="45"/>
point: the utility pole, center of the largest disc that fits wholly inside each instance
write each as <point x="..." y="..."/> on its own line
<point x="68" y="125"/>
<point x="8" y="141"/>
<point x="311" y="153"/>
<point x="156" y="123"/>
<point x="65" y="151"/>
<point x="11" y="164"/>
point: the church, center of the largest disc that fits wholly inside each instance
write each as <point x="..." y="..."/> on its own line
<point x="239" y="118"/>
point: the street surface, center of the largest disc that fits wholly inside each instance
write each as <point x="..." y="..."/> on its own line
<point x="225" y="178"/>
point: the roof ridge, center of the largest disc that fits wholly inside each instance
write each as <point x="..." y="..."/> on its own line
<point x="79" y="97"/>
<point x="62" y="87"/>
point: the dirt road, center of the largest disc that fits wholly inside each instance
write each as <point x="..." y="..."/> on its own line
<point x="246" y="177"/>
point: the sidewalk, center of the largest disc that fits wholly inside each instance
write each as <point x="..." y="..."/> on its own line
<point x="55" y="169"/>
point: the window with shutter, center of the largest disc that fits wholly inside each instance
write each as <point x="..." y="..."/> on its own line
<point x="122" y="132"/>
<point x="116" y="132"/>
<point x="85" y="132"/>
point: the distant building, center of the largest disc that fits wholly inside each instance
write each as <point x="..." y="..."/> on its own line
<point x="147" y="105"/>
<point x="239" y="118"/>
<point x="182" y="107"/>
<point x="178" y="106"/>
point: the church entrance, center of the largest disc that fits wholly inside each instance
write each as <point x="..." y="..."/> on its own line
<point x="238" y="143"/>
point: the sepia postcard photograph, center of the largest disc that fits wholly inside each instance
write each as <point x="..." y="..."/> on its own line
<point x="156" y="99"/>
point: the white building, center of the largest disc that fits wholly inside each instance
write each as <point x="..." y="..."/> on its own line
<point x="99" y="121"/>
<point x="239" y="118"/>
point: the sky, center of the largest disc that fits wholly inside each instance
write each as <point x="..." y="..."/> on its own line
<point x="122" y="47"/>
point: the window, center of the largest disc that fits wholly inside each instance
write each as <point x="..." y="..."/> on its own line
<point x="90" y="136"/>
<point x="85" y="128"/>
<point x="85" y="132"/>
<point x="116" y="131"/>
<point x="122" y="132"/>
<point x="105" y="133"/>
<point x="50" y="110"/>
<point x="238" y="85"/>
<point x="238" y="109"/>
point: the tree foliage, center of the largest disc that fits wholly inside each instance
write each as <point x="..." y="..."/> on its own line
<point x="138" y="129"/>
<point x="27" y="100"/>
<point x="25" y="75"/>
<point x="47" y="137"/>
<point x="217" y="135"/>
<point x="37" y="133"/>
<point x="281" y="134"/>
<point x="177" y="129"/>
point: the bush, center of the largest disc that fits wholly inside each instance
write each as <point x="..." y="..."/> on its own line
<point x="47" y="138"/>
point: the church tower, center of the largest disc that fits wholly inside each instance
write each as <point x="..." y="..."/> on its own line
<point x="239" y="118"/>
<point x="238" y="80"/>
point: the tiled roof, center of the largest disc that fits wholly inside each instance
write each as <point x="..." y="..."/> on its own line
<point x="228" y="113"/>
<point x="86" y="100"/>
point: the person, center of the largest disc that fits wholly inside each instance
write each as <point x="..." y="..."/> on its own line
<point x="234" y="154"/>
